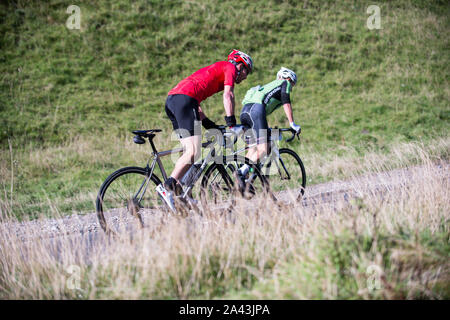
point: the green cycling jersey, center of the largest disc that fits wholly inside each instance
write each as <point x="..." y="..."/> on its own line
<point x="271" y="95"/>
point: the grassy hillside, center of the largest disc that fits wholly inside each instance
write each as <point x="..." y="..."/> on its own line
<point x="69" y="98"/>
<point x="115" y="72"/>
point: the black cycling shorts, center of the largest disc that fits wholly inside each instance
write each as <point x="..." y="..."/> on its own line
<point x="253" y="116"/>
<point x="182" y="110"/>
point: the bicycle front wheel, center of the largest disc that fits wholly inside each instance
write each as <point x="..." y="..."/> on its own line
<point x="286" y="172"/>
<point x="124" y="197"/>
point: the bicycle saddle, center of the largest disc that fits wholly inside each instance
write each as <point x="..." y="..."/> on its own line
<point x="146" y="133"/>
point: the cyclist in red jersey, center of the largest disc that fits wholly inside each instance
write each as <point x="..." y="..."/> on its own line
<point x="183" y="109"/>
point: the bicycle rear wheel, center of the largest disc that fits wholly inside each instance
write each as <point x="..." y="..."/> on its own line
<point x="128" y="192"/>
<point x="286" y="172"/>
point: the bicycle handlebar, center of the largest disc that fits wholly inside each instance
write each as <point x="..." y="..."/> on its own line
<point x="293" y="132"/>
<point x="227" y="133"/>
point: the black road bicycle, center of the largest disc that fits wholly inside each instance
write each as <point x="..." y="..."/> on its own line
<point x="130" y="191"/>
<point x="282" y="167"/>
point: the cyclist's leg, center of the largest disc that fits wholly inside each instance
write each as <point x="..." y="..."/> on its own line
<point x="261" y="127"/>
<point x="254" y="116"/>
<point x="192" y="147"/>
<point x="182" y="110"/>
<point x="247" y="121"/>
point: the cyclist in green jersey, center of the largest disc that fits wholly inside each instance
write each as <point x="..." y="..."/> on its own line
<point x="259" y="102"/>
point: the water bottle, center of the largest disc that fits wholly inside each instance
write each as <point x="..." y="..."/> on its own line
<point x="190" y="174"/>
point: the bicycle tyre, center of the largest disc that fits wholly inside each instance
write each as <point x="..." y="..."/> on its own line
<point x="297" y="167"/>
<point x="112" y="195"/>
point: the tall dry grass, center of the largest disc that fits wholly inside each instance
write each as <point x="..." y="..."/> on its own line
<point x="389" y="240"/>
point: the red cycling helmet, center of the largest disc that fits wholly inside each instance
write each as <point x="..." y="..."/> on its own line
<point x="239" y="56"/>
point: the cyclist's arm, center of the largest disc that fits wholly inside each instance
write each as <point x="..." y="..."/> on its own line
<point x="288" y="110"/>
<point x="286" y="100"/>
<point x="228" y="100"/>
<point x="206" y="123"/>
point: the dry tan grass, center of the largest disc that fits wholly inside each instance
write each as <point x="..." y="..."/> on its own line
<point x="400" y="229"/>
<point x="350" y="164"/>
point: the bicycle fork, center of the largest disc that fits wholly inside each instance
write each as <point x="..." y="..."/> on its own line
<point x="275" y="157"/>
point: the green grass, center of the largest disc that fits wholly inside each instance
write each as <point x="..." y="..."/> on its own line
<point x="359" y="88"/>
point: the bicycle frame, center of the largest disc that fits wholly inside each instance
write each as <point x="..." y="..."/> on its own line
<point x="156" y="156"/>
<point x="274" y="154"/>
